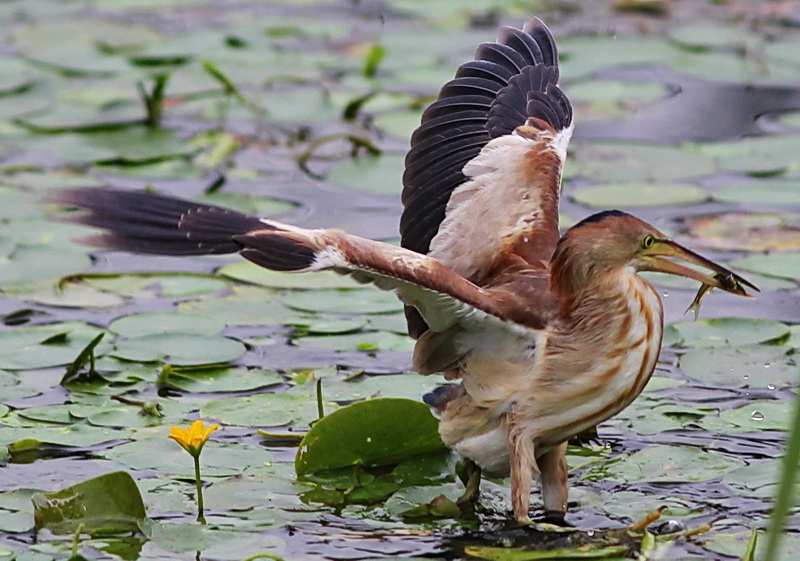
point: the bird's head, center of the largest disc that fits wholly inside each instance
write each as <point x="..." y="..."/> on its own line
<point x="608" y="243"/>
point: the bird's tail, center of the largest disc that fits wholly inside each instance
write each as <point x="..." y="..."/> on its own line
<point x="142" y="222"/>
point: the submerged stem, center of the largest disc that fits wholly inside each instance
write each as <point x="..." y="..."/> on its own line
<point x="199" y="483"/>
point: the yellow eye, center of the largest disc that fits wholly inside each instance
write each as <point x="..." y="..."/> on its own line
<point x="648" y="241"/>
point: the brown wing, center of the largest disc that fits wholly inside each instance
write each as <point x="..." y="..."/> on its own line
<point x="480" y="193"/>
<point x="156" y="224"/>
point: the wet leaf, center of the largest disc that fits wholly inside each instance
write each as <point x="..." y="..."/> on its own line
<point x="250" y="273"/>
<point x="674" y="464"/>
<point x="629" y="195"/>
<point x="760" y="416"/>
<point x="108" y="503"/>
<point x="222" y="380"/>
<point x="166" y="457"/>
<point x="754" y="366"/>
<point x="262" y="410"/>
<point x="627" y="162"/>
<point x="775" y="264"/>
<point x="730" y="332"/>
<point x="374" y="432"/>
<point x="162" y="323"/>
<point x="180" y="349"/>
<point x="343" y="301"/>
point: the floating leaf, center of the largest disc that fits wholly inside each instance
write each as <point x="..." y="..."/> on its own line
<point x="108" y="503"/>
<point x="784" y="265"/>
<point x="222" y="379"/>
<point x="674" y="464"/>
<point x="628" y="195"/>
<point x="343" y="301"/>
<point x="262" y="410"/>
<point x="251" y="273"/>
<point x="629" y="162"/>
<point x="372" y="433"/>
<point x="180" y="349"/>
<point x="162" y="323"/>
<point x="760" y="415"/>
<point x="730" y="332"/>
<point x="754" y="366"/>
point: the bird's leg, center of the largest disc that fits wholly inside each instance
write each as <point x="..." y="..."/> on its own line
<point x="553" y="467"/>
<point x="523" y="465"/>
<point x="472" y="473"/>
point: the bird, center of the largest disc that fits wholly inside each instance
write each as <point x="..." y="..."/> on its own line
<point x="539" y="335"/>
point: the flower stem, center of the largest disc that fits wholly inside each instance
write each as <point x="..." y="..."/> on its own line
<point x="199" y="483"/>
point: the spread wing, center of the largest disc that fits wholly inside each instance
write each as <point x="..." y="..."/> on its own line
<point x="155" y="224"/>
<point x="483" y="175"/>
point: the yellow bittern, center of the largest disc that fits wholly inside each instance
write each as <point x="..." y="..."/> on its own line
<point x="549" y="335"/>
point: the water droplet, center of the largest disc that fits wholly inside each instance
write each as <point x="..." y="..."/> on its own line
<point x="757" y="416"/>
<point x="732" y="368"/>
<point x="746" y="377"/>
<point x="665" y="294"/>
<point x="766" y="365"/>
<point x="369" y="439"/>
<point x="590" y="533"/>
<point x="670" y="527"/>
<point x="770" y="386"/>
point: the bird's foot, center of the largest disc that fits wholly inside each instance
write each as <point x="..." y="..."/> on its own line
<point x="471" y="477"/>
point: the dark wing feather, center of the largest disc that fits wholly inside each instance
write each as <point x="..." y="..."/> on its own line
<point x="490" y="97"/>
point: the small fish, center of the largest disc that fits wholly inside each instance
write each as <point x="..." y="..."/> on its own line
<point x="698" y="299"/>
<point x="728" y="282"/>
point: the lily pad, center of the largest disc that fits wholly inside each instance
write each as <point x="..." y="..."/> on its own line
<point x="253" y="274"/>
<point x="754" y="366"/>
<point x="784" y="264"/>
<point x="162" y="323"/>
<point x="108" y="503"/>
<point x="262" y="410"/>
<point x="343" y="301"/>
<point x="222" y="380"/>
<point x="180" y="349"/>
<point x="663" y="464"/>
<point x="638" y="194"/>
<point x="371" y="433"/>
<point x="730" y="332"/>
<point x="760" y="415"/>
<point x="628" y="162"/>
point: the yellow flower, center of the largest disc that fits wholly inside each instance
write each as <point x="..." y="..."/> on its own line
<point x="194" y="439"/>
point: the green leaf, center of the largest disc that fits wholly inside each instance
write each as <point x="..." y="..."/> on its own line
<point x="640" y="194"/>
<point x="730" y="332"/>
<point x="108" y="503"/>
<point x="375" y="432"/>
<point x="162" y="323"/>
<point x="661" y="464"/>
<point x="754" y="366"/>
<point x="182" y="349"/>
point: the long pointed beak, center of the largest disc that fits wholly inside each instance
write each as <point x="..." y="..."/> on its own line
<point x="664" y="255"/>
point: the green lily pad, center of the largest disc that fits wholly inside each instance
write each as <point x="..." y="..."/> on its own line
<point x="760" y="415"/>
<point x="770" y="192"/>
<point x="662" y="464"/>
<point x="730" y="332"/>
<point x="222" y="380"/>
<point x="708" y="35"/>
<point x="180" y="349"/>
<point x="636" y="194"/>
<point x="262" y="410"/>
<point x="29" y="266"/>
<point x="72" y="435"/>
<point x="366" y="342"/>
<point x="374" y="432"/>
<point x="783" y="264"/>
<point x="167" y="457"/>
<point x="753" y="365"/>
<point x="108" y="503"/>
<point x="376" y="174"/>
<point x="343" y="301"/>
<point x="253" y="274"/>
<point x="162" y="323"/>
<point x="628" y="162"/>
